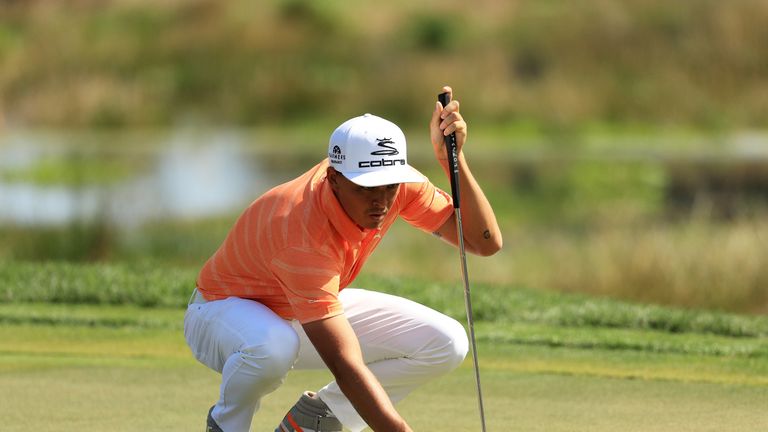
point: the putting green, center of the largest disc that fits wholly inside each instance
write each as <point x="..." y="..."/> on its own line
<point x="79" y="377"/>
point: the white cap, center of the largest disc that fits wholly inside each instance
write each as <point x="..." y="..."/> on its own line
<point x="371" y="151"/>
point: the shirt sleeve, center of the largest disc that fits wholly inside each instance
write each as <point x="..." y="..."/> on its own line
<point x="310" y="281"/>
<point x="425" y="206"/>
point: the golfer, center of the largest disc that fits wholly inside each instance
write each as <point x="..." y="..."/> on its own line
<point x="275" y="295"/>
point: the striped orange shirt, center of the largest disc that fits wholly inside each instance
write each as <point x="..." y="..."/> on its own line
<point x="294" y="248"/>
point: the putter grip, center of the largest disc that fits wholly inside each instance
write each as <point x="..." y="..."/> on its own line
<point x="453" y="156"/>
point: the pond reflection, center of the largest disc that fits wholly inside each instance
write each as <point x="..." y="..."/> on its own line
<point x="187" y="175"/>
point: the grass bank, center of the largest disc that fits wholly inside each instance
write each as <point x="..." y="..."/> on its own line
<point x="152" y="285"/>
<point x="692" y="263"/>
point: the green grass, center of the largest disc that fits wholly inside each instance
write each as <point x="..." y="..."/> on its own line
<point x="700" y="264"/>
<point x="549" y="361"/>
<point x="143" y="284"/>
<point x="72" y="171"/>
<point x="92" y="375"/>
<point x="152" y="285"/>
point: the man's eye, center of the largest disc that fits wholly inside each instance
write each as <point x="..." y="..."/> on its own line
<point x="392" y="187"/>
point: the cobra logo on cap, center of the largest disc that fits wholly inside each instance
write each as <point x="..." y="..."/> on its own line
<point x="388" y="150"/>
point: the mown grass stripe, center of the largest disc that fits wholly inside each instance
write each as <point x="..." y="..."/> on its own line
<point x="665" y="374"/>
<point x="650" y="341"/>
<point x="85" y="322"/>
<point x="659" y="346"/>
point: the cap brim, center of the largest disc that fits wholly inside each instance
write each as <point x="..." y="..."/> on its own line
<point x="400" y="174"/>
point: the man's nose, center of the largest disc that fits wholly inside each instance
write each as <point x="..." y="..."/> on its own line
<point x="379" y="196"/>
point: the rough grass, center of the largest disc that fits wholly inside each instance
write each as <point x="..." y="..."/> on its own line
<point x="150" y="285"/>
<point x="142" y="284"/>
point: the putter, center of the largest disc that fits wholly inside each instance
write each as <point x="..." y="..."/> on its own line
<point x="453" y="160"/>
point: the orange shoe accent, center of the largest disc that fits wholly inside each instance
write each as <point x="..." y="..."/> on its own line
<point x="289" y="417"/>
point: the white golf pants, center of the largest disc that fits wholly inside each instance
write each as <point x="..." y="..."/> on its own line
<point x="405" y="344"/>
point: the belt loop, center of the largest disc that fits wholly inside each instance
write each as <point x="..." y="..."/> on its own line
<point x="197" y="297"/>
<point x="192" y="297"/>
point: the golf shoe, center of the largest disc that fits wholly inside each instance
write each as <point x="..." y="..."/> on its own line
<point x="309" y="414"/>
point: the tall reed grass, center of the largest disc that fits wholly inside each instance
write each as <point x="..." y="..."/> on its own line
<point x="694" y="263"/>
<point x="697" y="263"/>
<point x="704" y="264"/>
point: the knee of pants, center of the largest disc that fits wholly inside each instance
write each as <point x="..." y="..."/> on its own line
<point x="449" y="347"/>
<point x="460" y="345"/>
<point x="272" y="359"/>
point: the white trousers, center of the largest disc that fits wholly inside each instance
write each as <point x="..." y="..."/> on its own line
<point x="405" y="344"/>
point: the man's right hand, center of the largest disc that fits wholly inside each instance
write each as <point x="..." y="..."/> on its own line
<point x="337" y="344"/>
<point x="445" y="121"/>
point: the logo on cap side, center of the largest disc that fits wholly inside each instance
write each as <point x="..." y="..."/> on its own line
<point x="387" y="150"/>
<point x="335" y="156"/>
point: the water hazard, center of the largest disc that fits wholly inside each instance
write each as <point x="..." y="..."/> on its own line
<point x="141" y="178"/>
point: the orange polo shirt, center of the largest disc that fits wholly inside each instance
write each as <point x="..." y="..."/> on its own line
<point x="295" y="248"/>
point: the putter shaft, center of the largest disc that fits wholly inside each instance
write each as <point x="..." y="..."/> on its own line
<point x="453" y="160"/>
<point x="470" y="320"/>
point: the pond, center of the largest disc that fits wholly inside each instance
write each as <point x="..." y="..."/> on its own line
<point x="130" y="178"/>
<point x="49" y="179"/>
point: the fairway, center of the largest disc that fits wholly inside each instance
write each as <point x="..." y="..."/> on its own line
<point x="132" y="377"/>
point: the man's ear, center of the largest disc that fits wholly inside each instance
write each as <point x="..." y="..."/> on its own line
<point x="331" y="173"/>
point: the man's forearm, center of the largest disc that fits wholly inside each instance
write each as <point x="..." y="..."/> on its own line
<point x="337" y="345"/>
<point x="481" y="230"/>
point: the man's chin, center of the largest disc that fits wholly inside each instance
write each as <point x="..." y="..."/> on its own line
<point x="375" y="220"/>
